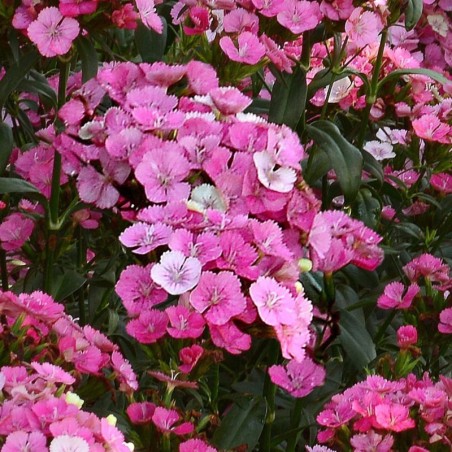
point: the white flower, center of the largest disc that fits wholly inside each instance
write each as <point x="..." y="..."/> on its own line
<point x="378" y="150"/>
<point x="66" y="443"/>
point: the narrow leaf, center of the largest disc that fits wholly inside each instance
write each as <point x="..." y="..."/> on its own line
<point x="413" y="13"/>
<point x="242" y="425"/>
<point x="288" y="99"/>
<point x="6" y="145"/>
<point x="345" y="159"/>
<point x="12" y="185"/>
<point x="88" y="56"/>
<point x="67" y="284"/>
<point x="394" y="75"/>
<point x="150" y="44"/>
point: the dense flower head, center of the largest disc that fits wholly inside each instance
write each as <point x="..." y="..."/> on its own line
<point x="377" y="410"/>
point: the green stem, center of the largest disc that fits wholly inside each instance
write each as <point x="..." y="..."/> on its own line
<point x="4" y="270"/>
<point x="166" y="443"/>
<point x="269" y="394"/>
<point x="295" y="419"/>
<point x="371" y="95"/>
<point x="384" y="327"/>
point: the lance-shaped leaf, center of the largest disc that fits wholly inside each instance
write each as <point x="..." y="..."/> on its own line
<point x="88" y="57"/>
<point x="345" y="159"/>
<point x="394" y="75"/>
<point x="150" y="44"/>
<point x="6" y="145"/>
<point x="413" y="13"/>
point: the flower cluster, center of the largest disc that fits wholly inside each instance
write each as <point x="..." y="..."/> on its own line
<point x="374" y="414"/>
<point x="53" y="29"/>
<point x="37" y="328"/>
<point x="37" y="413"/>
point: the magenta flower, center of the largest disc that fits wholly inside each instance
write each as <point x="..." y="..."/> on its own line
<point x="140" y="412"/>
<point x="149" y="327"/>
<point x="125" y="373"/>
<point x="395" y="296"/>
<point x="442" y="182"/>
<point x="393" y="417"/>
<point x="145" y="237"/>
<point x="148" y="15"/>
<point x="229" y="100"/>
<point x="248" y="51"/>
<point x="52" y="32"/>
<point x="218" y="296"/>
<point x="176" y="273"/>
<point x="363" y="27"/>
<point x="229" y="337"/>
<point x="275" y="304"/>
<point x="184" y="323"/>
<point x="430" y="128"/>
<point x="52" y="373"/>
<point x="269" y="240"/>
<point x="15" y="230"/>
<point x="372" y="441"/>
<point x="165" y="419"/>
<point x="445" y="321"/>
<point x="195" y="445"/>
<point x="74" y="8"/>
<point x="189" y="356"/>
<point x="298" y="378"/>
<point x="430" y="267"/>
<point x="406" y="336"/>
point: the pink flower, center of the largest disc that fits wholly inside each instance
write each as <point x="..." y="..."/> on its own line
<point x="445" y="318"/>
<point x="69" y="443"/>
<point x="15" y="230"/>
<point x="176" y="273"/>
<point x="165" y="419"/>
<point x="125" y="17"/>
<point x="205" y="247"/>
<point x="145" y="237"/>
<point x="195" y="445"/>
<point x="52" y="373"/>
<point x="229" y="337"/>
<point x="395" y="298"/>
<point x="442" y="182"/>
<point x="140" y="412"/>
<point x="52" y="32"/>
<point x="218" y="296"/>
<point x="273" y="176"/>
<point x="299" y="16"/>
<point x="298" y="378"/>
<point x="393" y="417"/>
<point x="274" y="302"/>
<point x="372" y="441"/>
<point x="269" y="240"/>
<point x="269" y="8"/>
<point x="21" y="441"/>
<point x="430" y="128"/>
<point x="406" y="336"/>
<point x="198" y="21"/>
<point x="124" y="372"/>
<point x="189" y="356"/>
<point x="229" y="100"/>
<point x="239" y="20"/>
<point x="429" y="267"/>
<point x="74" y="8"/>
<point x="161" y="172"/>
<point x="148" y="15"/>
<point x="184" y="323"/>
<point x="149" y="327"/>
<point x="248" y="51"/>
<point x="336" y="9"/>
<point x="363" y="27"/>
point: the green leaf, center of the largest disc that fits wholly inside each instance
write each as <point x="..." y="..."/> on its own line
<point x="88" y="56"/>
<point x="243" y="424"/>
<point x="413" y="13"/>
<point x="12" y="185"/>
<point x="317" y="165"/>
<point x="6" y="145"/>
<point x="355" y="339"/>
<point x="345" y="159"/>
<point x="38" y="84"/>
<point x="67" y="284"/>
<point x="394" y="75"/>
<point x="15" y="74"/>
<point x="150" y="44"/>
<point x="373" y="166"/>
<point x="367" y="208"/>
<point x="288" y="99"/>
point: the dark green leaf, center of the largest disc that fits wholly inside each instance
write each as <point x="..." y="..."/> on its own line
<point x="15" y="74"/>
<point x="413" y="13"/>
<point x="6" y="145"/>
<point x="288" y="99"/>
<point x="367" y="208"/>
<point x="394" y="75"/>
<point x="259" y="107"/>
<point x="373" y="166"/>
<point x="150" y="44"/>
<point x="317" y="165"/>
<point x="355" y="339"/>
<point x="345" y="159"/>
<point x="88" y="56"/>
<point x="12" y="185"/>
<point x="67" y="284"/>
<point x="243" y="424"/>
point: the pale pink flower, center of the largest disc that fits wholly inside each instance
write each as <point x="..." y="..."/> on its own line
<point x="161" y="172"/>
<point x="218" y="297"/>
<point x="429" y="127"/>
<point x="396" y="297"/>
<point x="143" y="237"/>
<point x="229" y="337"/>
<point x="176" y="273"/>
<point x="229" y="100"/>
<point x="406" y="336"/>
<point x="274" y="302"/>
<point x="15" y="230"/>
<point x="379" y="150"/>
<point x="298" y="378"/>
<point x="205" y="247"/>
<point x="273" y="176"/>
<point x="445" y="321"/>
<point x="201" y="77"/>
<point x="430" y="267"/>
<point x="124" y="371"/>
<point x="393" y="417"/>
<point x="148" y="15"/>
<point x="52" y="32"/>
<point x="164" y="419"/>
<point x="276" y="54"/>
<point x="239" y="20"/>
<point x="189" y="357"/>
<point x="195" y="445"/>
<point x="299" y="16"/>
<point x="372" y="441"/>
<point x="363" y="27"/>
<point x="66" y="443"/>
<point x="248" y="51"/>
<point x="268" y="238"/>
<point x="184" y="323"/>
<point x="21" y="441"/>
<point x="269" y="8"/>
<point x="52" y="373"/>
<point x="337" y="9"/>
